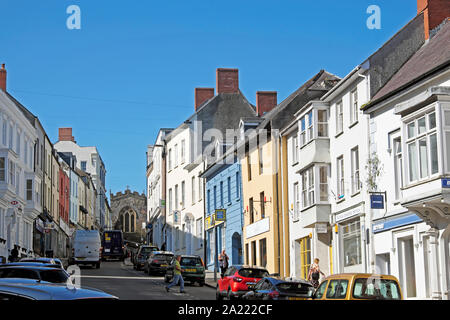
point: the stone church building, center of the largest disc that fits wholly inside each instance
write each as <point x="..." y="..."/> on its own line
<point x="128" y="211"/>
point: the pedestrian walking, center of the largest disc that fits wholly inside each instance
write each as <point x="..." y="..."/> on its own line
<point x="14" y="256"/>
<point x="163" y="247"/>
<point x="314" y="273"/>
<point x="223" y="261"/>
<point x="177" y="277"/>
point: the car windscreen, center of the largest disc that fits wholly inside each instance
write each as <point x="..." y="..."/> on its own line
<point x="165" y="257"/>
<point x="367" y="288"/>
<point x="294" y="287"/>
<point x="191" y="262"/>
<point x="18" y="273"/>
<point x="54" y="276"/>
<point x="147" y="250"/>
<point x="253" y="273"/>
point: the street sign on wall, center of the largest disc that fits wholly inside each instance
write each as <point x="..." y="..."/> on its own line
<point x="376" y="201"/>
<point x="446" y="183"/>
<point x="321" y="227"/>
<point x="220" y="215"/>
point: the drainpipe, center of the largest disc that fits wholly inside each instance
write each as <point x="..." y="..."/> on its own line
<point x="371" y="259"/>
<point x="278" y="208"/>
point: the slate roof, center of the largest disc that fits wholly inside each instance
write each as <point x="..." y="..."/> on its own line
<point x="433" y="55"/>
<point x="313" y="89"/>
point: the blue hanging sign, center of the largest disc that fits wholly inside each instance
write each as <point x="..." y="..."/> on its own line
<point x="446" y="183"/>
<point x="376" y="201"/>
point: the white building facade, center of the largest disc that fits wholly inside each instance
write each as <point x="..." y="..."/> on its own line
<point x="19" y="186"/>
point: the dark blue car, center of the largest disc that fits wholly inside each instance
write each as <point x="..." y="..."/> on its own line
<point x="276" y="288"/>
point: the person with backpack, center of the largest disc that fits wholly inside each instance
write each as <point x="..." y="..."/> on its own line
<point x="314" y="273"/>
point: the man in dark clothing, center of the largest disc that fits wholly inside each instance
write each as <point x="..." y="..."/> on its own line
<point x="14" y="257"/>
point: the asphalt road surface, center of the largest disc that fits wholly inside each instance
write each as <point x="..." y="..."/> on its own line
<point x="120" y="280"/>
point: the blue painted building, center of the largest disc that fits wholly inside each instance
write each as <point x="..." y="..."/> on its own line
<point x="224" y="191"/>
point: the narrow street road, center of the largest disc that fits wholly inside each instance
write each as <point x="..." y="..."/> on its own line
<point x="116" y="278"/>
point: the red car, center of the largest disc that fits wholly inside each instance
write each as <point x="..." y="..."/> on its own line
<point x="235" y="280"/>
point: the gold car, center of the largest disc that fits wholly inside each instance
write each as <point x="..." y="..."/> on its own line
<point x="358" y="286"/>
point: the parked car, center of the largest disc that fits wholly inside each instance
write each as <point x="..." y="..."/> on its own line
<point x="86" y="248"/>
<point x="30" y="264"/>
<point x="192" y="269"/>
<point x="275" y="288"/>
<point x="157" y="262"/>
<point x="13" y="289"/>
<point x="358" y="286"/>
<point x="113" y="246"/>
<point x="142" y="255"/>
<point x="53" y="261"/>
<point x="236" y="279"/>
<point x="37" y="273"/>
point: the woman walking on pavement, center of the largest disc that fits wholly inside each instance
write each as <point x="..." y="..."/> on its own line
<point x="314" y="273"/>
<point x="223" y="260"/>
<point x="177" y="277"/>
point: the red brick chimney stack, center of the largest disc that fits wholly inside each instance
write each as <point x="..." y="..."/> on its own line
<point x="265" y="101"/>
<point x="435" y="12"/>
<point x="202" y="95"/>
<point x="65" y="134"/>
<point x="3" y="78"/>
<point x="227" y="80"/>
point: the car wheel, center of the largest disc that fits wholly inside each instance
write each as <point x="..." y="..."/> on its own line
<point x="201" y="283"/>
<point x="218" y="295"/>
<point x="97" y="265"/>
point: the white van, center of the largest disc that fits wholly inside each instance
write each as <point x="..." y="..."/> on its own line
<point x="86" y="247"/>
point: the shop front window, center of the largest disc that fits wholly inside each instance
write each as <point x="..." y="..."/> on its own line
<point x="351" y="236"/>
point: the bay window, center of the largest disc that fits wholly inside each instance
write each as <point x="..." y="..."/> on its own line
<point x="310" y="126"/>
<point x="422" y="147"/>
<point x="398" y="168"/>
<point x="323" y="175"/>
<point x="11" y="170"/>
<point x="322" y="123"/>
<point x="308" y="187"/>
<point x="302" y="132"/>
<point x="446" y="128"/>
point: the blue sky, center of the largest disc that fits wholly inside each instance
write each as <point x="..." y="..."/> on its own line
<point x="133" y="66"/>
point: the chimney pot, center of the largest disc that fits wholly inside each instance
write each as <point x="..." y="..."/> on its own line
<point x="202" y="95"/>
<point x="3" y="78"/>
<point x="227" y="80"/>
<point x="265" y="101"/>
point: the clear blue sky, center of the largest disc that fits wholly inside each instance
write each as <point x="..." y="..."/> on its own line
<point x="133" y="66"/>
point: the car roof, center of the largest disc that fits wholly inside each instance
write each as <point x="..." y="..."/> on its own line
<point x="244" y="266"/>
<point x="189" y="256"/>
<point x="29" y="264"/>
<point x="278" y="280"/>
<point x="32" y="267"/>
<point x="50" y="291"/>
<point x="359" y="275"/>
<point x="162" y="252"/>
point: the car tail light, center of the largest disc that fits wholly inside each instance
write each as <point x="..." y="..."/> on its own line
<point x="237" y="279"/>
<point x="155" y="261"/>
<point x="274" y="294"/>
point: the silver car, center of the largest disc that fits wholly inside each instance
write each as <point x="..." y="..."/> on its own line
<point x="17" y="289"/>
